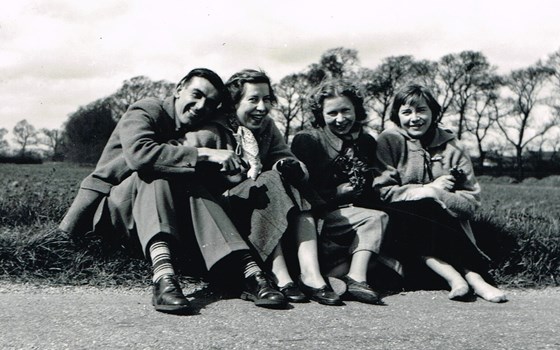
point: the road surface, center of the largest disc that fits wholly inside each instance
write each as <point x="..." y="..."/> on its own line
<point x="33" y="317"/>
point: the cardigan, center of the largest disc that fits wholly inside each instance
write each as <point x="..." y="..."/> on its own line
<point x="404" y="166"/>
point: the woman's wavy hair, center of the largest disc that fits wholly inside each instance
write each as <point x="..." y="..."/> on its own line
<point x="237" y="81"/>
<point x="411" y="94"/>
<point x="335" y="88"/>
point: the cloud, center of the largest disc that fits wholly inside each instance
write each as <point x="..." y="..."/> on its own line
<point x="59" y="54"/>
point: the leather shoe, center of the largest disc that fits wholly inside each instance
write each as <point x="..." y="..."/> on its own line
<point x="168" y="296"/>
<point x="293" y="294"/>
<point x="259" y="290"/>
<point x="361" y="291"/>
<point x="324" y="295"/>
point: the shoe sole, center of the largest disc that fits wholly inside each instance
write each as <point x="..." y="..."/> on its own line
<point x="327" y="302"/>
<point x="272" y="304"/>
<point x="173" y="309"/>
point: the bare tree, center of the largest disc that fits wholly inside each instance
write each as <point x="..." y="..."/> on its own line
<point x="381" y="83"/>
<point x="3" y="143"/>
<point x="339" y="62"/>
<point x="24" y="135"/>
<point x="52" y="138"/>
<point x="521" y="126"/>
<point x="135" y="89"/>
<point x="459" y="76"/>
<point x="485" y="112"/>
<point x="291" y="92"/>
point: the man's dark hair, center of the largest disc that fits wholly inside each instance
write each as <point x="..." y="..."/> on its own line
<point x="209" y="75"/>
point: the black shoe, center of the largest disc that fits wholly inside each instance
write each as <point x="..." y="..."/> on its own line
<point x="324" y="295"/>
<point x="168" y="296"/>
<point x="259" y="290"/>
<point x="361" y="291"/>
<point x="293" y="294"/>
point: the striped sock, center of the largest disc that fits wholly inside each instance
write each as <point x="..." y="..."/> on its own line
<point x="249" y="264"/>
<point x="161" y="260"/>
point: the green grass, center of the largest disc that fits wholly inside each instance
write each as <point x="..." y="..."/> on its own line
<point x="517" y="226"/>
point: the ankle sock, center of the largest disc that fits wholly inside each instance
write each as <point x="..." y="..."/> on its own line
<point x="161" y="260"/>
<point x="249" y="265"/>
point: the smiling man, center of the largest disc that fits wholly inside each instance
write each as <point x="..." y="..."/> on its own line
<point x="146" y="186"/>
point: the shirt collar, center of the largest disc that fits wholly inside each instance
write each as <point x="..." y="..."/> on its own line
<point x="335" y="141"/>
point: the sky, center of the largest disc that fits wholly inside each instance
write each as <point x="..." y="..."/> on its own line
<point x="56" y="55"/>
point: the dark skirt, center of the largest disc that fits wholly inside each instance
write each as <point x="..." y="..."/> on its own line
<point x="424" y="228"/>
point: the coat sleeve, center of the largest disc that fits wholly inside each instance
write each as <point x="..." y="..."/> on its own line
<point x="465" y="200"/>
<point x="144" y="146"/>
<point x="278" y="149"/>
<point x="391" y="148"/>
<point x="307" y="148"/>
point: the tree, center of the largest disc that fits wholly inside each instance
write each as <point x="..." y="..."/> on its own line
<point x="25" y="135"/>
<point x="135" y="89"/>
<point x="3" y="143"/>
<point x="521" y="126"/>
<point x="382" y="83"/>
<point x="485" y="113"/>
<point x="87" y="130"/>
<point x="460" y="76"/>
<point x="52" y="138"/>
<point x="291" y="92"/>
<point x="339" y="62"/>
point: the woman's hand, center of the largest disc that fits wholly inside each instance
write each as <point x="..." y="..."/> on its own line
<point x="346" y="190"/>
<point x="444" y="182"/>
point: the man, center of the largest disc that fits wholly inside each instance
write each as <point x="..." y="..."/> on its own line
<point x="145" y="184"/>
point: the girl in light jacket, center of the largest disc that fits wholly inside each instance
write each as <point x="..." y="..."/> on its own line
<point x="427" y="178"/>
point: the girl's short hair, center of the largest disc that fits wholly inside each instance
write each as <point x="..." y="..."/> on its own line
<point x="237" y="81"/>
<point x="411" y="94"/>
<point x="335" y="88"/>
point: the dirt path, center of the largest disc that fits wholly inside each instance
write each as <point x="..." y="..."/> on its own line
<point x="89" y="318"/>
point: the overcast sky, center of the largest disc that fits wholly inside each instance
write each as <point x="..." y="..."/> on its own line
<point x="58" y="55"/>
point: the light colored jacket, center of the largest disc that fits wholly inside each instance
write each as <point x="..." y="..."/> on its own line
<point x="404" y="166"/>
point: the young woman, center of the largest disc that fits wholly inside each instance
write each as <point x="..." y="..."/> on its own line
<point x="340" y="156"/>
<point x="427" y="179"/>
<point x="263" y="199"/>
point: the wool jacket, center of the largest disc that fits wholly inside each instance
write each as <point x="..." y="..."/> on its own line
<point x="404" y="166"/>
<point x="144" y="141"/>
<point x="318" y="149"/>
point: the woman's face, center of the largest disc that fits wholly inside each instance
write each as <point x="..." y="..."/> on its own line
<point x="254" y="105"/>
<point x="415" y="120"/>
<point x="339" y="115"/>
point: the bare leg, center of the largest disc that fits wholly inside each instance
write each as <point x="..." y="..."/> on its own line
<point x="459" y="287"/>
<point x="308" y="256"/>
<point x="483" y="289"/>
<point x="279" y="267"/>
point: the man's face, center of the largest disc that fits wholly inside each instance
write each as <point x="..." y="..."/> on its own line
<point x="195" y="101"/>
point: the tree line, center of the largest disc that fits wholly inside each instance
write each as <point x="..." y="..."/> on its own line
<point x="516" y="113"/>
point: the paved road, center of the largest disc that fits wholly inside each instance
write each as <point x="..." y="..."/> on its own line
<point x="115" y="318"/>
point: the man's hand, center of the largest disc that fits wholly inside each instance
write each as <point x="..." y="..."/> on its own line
<point x="229" y="162"/>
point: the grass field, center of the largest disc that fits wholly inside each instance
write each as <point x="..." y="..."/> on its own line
<point x="518" y="227"/>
